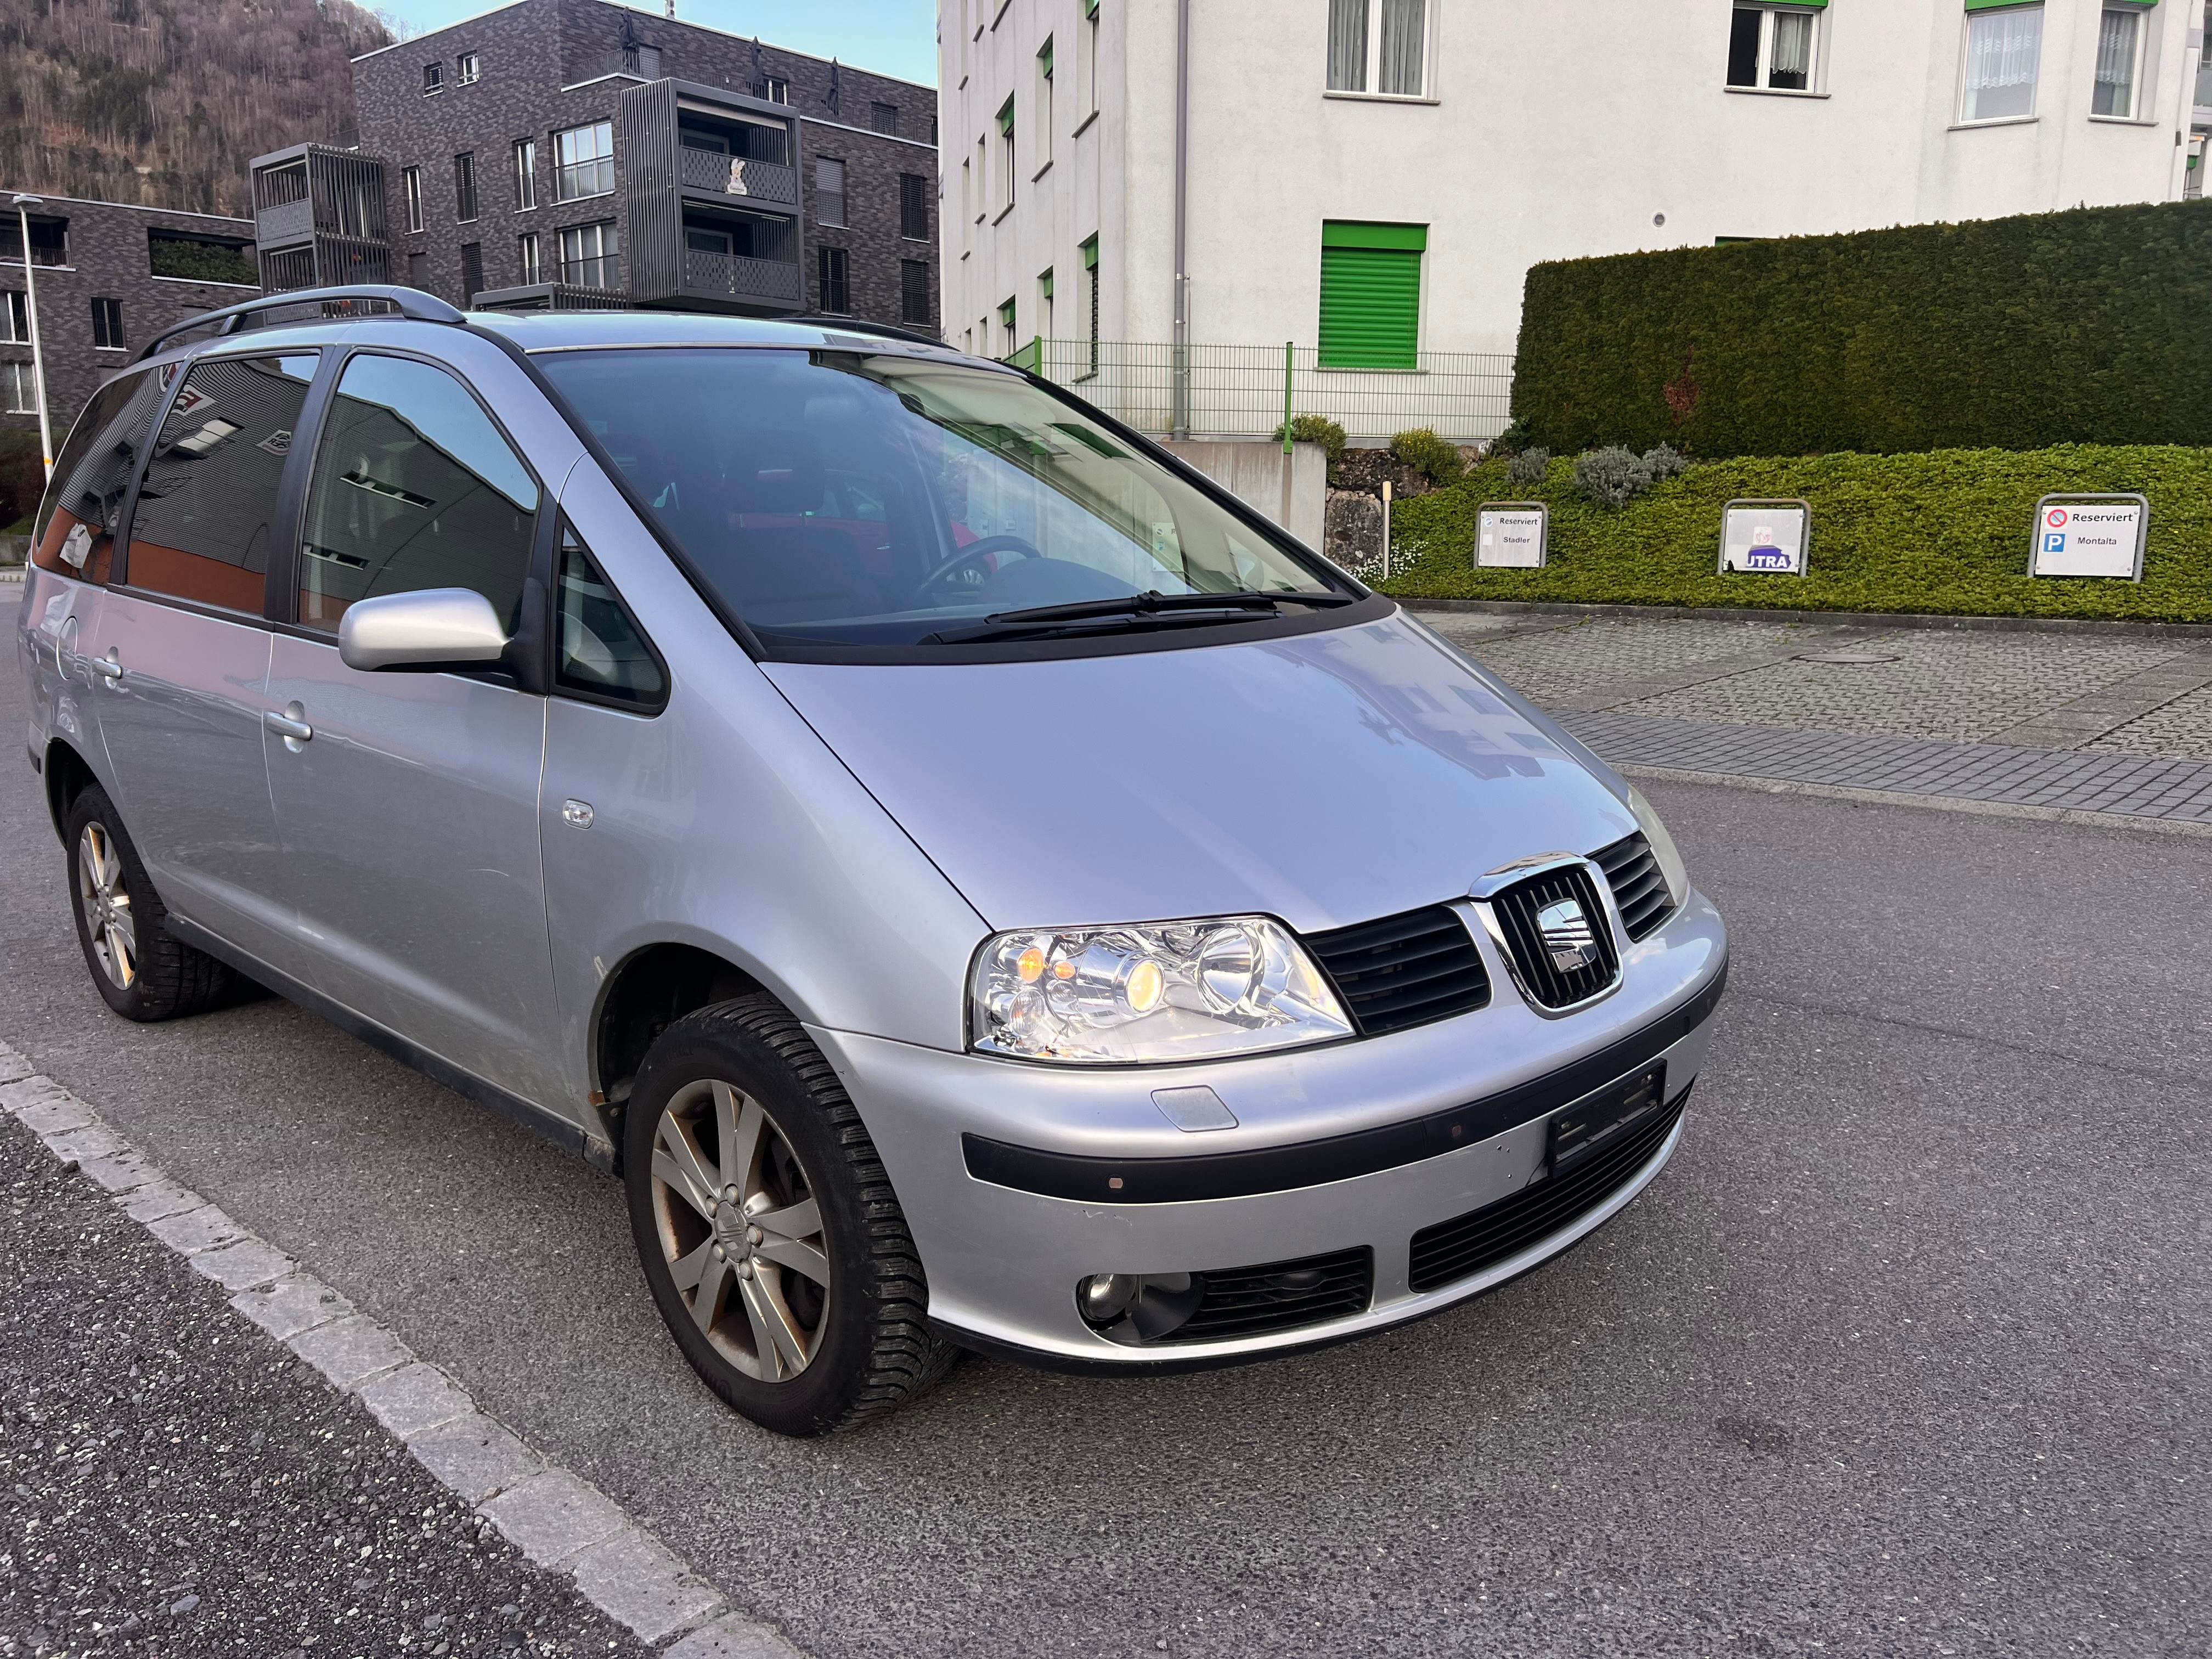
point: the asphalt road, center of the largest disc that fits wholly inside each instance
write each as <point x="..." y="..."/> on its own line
<point x="1906" y="1352"/>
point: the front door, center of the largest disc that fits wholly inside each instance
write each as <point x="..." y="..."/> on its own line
<point x="407" y="802"/>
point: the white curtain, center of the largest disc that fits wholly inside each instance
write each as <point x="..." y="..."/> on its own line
<point x="2002" y="50"/>
<point x="2116" y="65"/>
<point x="1793" y="51"/>
<point x="1403" y="47"/>
<point x="1347" y="45"/>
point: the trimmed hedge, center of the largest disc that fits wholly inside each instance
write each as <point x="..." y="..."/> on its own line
<point x="2092" y="325"/>
<point x="1944" y="533"/>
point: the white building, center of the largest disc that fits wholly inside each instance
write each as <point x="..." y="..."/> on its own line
<point x="1370" y="179"/>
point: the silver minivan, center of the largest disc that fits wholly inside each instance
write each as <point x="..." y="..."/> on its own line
<point x="977" y="883"/>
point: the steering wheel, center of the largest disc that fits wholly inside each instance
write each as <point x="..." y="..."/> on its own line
<point x="975" y="550"/>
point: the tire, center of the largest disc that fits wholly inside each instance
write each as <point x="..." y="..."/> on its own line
<point x="142" y="972"/>
<point x="815" y="1302"/>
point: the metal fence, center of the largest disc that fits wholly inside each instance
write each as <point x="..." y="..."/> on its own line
<point x="1244" y="391"/>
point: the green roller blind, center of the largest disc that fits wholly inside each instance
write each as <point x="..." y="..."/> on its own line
<point x="1371" y="295"/>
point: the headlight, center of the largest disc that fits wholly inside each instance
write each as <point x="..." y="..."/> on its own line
<point x="1672" y="870"/>
<point x="1165" y="990"/>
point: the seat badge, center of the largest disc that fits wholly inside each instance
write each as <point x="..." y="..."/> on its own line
<point x="1567" y="935"/>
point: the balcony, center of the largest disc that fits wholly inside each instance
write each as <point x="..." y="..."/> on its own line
<point x="740" y="279"/>
<point x="737" y="175"/>
<point x="711" y="180"/>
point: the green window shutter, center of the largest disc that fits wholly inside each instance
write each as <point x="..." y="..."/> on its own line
<point x="1371" y="295"/>
<point x="1091" y="7"/>
<point x="1007" y="315"/>
<point x="1992" y="5"/>
<point x="1006" y="120"/>
<point x="1044" y="286"/>
<point x="1091" y="253"/>
<point x="1044" y="58"/>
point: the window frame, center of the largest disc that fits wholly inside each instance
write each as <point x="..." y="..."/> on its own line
<point x="822" y="195"/>
<point x="827" y="254"/>
<point x="564" y="531"/>
<point x="466" y="207"/>
<point x="919" y="192"/>
<point x="17" y="323"/>
<point x="2034" y="112"/>
<point x="530" y="258"/>
<point x="1006" y="122"/>
<point x="607" y="229"/>
<point x="434" y="78"/>
<point x="1816" y="72"/>
<point x="107" y="320"/>
<point x="564" y="170"/>
<point x="525" y="174"/>
<point x="1372" y="56"/>
<point x="928" y="308"/>
<point x="22" y="396"/>
<point x="468" y="69"/>
<point x="1044" y="108"/>
<point x="410" y="186"/>
<point x="2140" y="67"/>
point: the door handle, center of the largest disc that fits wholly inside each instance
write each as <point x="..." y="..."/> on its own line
<point x="107" y="668"/>
<point x="289" y="726"/>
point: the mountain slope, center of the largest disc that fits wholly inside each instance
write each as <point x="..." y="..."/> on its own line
<point x="164" y="102"/>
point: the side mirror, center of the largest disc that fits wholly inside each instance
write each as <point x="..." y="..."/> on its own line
<point x="431" y="629"/>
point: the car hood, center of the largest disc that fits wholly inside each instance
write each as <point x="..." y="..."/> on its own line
<point x="1326" y="778"/>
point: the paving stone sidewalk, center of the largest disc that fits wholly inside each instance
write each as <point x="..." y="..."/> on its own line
<point x="2117" y="724"/>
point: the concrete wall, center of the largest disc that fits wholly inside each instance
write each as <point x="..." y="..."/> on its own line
<point x="1291" y="492"/>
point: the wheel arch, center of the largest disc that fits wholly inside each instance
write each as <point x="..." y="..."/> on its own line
<point x="647" y="992"/>
<point x="67" y="774"/>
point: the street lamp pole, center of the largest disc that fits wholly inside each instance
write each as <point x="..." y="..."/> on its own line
<point x="23" y="206"/>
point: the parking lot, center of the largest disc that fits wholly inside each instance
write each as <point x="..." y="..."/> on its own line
<point x="1906" y="1352"/>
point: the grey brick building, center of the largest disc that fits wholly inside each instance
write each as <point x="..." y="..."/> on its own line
<point x="108" y="275"/>
<point x="581" y="152"/>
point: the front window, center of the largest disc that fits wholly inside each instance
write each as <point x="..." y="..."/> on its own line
<point x="465" y="188"/>
<point x="2004" y="51"/>
<point x="831" y="275"/>
<point x="434" y="78"/>
<point x="1379" y="47"/>
<point x="527" y="259"/>
<point x="108" y="325"/>
<point x="583" y="160"/>
<point x="466" y="68"/>
<point x="828" y="191"/>
<point x="2119" y="63"/>
<point x="411" y="178"/>
<point x="841" y="499"/>
<point x="1770" y="48"/>
<point x="526" y="174"/>
<point x="591" y="257"/>
<point x="19" y="388"/>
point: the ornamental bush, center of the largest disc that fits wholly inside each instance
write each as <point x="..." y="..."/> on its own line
<point x="1317" y="429"/>
<point x="1525" y="471"/>
<point x="1421" y="448"/>
<point x="1664" y="461"/>
<point x="2092" y="325"/>
<point x="1610" y="476"/>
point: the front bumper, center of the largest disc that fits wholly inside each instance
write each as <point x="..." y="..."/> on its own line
<point x="1003" y="1262"/>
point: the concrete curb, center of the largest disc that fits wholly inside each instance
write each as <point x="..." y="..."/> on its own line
<point x="555" y="1519"/>
<point x="1831" y="618"/>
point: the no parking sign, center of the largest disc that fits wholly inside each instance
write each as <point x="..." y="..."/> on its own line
<point x="2089" y="536"/>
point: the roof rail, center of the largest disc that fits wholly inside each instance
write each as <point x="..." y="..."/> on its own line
<point x="857" y="325"/>
<point x="412" y="302"/>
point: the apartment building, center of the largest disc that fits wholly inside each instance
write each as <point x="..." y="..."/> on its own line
<point x="106" y="275"/>
<point x="1370" y="179"/>
<point x="579" y="152"/>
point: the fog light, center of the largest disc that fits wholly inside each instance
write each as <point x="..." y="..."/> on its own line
<point x="1137" y="1308"/>
<point x="1104" y="1298"/>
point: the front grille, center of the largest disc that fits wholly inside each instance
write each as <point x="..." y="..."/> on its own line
<point x="1463" y="1247"/>
<point x="1280" y="1296"/>
<point x="1403" y="970"/>
<point x="1517" y="909"/>
<point x="1638" y="889"/>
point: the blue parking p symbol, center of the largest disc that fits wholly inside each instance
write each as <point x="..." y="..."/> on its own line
<point x="2054" y="541"/>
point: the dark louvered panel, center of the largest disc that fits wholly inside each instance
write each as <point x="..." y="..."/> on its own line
<point x="1403" y="970"/>
<point x="1465" y="1246"/>
<point x="1638" y="889"/>
<point x="1280" y="1296"/>
<point x="1521" y="911"/>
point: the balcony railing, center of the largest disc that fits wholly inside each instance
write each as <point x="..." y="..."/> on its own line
<point x="1242" y="392"/>
<point x="734" y="175"/>
<point x="739" y="277"/>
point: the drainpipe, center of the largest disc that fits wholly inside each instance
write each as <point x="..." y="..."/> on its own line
<point x="1181" y="367"/>
<point x="23" y="206"/>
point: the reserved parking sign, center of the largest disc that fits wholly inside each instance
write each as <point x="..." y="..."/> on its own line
<point x="1510" y="535"/>
<point x="1766" y="536"/>
<point x="2089" y="536"/>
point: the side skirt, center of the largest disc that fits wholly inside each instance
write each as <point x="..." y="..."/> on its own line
<point x="513" y="1107"/>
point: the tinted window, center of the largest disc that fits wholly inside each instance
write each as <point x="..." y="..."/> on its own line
<point x="76" y="532"/>
<point x="601" y="650"/>
<point x="414" y="488"/>
<point x="849" y="498"/>
<point x="206" y="510"/>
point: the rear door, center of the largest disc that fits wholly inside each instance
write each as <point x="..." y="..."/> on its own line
<point x="182" y="651"/>
<point x="408" y="813"/>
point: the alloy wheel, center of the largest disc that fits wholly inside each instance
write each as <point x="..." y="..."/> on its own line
<point x="740" y="1231"/>
<point x="109" y="920"/>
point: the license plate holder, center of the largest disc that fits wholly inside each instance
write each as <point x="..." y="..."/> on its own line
<point x="1600" y="1119"/>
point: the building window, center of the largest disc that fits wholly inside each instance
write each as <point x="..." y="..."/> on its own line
<point x="525" y="174"/>
<point x="1006" y="323"/>
<point x="830" y="264"/>
<point x="1044" y="105"/>
<point x="466" y="68"/>
<point x="472" y="280"/>
<point x="968" y="214"/>
<point x="1087" y="67"/>
<point x="913" y="291"/>
<point x="1380" y="47"/>
<point x="2203" y="96"/>
<point x="434" y="78"/>
<point x="982" y="177"/>
<point x="1044" y="304"/>
<point x="2119" y="63"/>
<point x="2003" y="51"/>
<point x="914" y="207"/>
<point x="828" y="191"/>
<point x="464" y="187"/>
<point x="779" y="90"/>
<point x="884" y="118"/>
<point x="108" y="325"/>
<point x="410" y="180"/>
<point x="1371" y="293"/>
<point x="526" y="259"/>
<point x="1772" y="48"/>
<point x="1007" y="152"/>
<point x="16" y="319"/>
<point x="1090" y="251"/>
<point x="584" y="161"/>
<point x="591" y="256"/>
<point x="19" y="383"/>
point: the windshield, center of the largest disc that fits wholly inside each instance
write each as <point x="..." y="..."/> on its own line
<point x="845" y="498"/>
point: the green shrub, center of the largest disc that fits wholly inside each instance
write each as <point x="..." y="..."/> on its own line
<point x="2090" y="326"/>
<point x="1664" y="461"/>
<point x="1525" y="471"/>
<point x="1421" y="448"/>
<point x="1945" y="533"/>
<point x="1610" y="476"/>
<point x="1514" y="438"/>
<point x="1317" y="429"/>
<point x="205" y="262"/>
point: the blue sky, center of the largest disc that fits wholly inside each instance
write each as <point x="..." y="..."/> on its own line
<point x="892" y="37"/>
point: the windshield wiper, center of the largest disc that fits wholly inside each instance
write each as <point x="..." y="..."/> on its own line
<point x="1135" y="611"/>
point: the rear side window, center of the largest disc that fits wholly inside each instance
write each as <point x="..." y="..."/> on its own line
<point x="603" y="653"/>
<point x="414" y="488"/>
<point x="207" y="507"/>
<point x="76" y="529"/>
